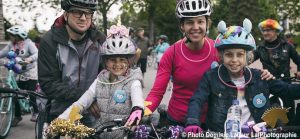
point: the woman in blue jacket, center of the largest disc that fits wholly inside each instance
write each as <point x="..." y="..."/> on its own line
<point x="161" y="47"/>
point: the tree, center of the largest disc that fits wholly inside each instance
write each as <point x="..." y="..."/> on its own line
<point x="2" y="31"/>
<point x="233" y="12"/>
<point x="104" y="7"/>
<point x="156" y="15"/>
<point x="289" y="9"/>
<point x="29" y="11"/>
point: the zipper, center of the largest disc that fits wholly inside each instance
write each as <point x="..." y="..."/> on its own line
<point x="79" y="71"/>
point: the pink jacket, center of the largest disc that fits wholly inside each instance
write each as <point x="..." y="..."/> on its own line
<point x="186" y="75"/>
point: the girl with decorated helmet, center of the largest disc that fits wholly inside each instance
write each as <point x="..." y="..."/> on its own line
<point x="234" y="80"/>
<point x="27" y="54"/>
<point x="186" y="60"/>
<point x="118" y="87"/>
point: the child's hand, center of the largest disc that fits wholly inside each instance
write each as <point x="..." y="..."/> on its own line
<point x="193" y="129"/>
<point x="136" y="115"/>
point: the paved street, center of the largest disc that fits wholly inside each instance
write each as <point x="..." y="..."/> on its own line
<point x="25" y="130"/>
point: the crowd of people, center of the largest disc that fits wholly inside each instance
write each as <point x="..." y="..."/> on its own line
<point x="79" y="66"/>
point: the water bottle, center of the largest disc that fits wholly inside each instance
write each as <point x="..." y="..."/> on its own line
<point x="232" y="124"/>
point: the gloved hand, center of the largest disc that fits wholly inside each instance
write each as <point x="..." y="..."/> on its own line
<point x="193" y="128"/>
<point x="147" y="111"/>
<point x="136" y="115"/>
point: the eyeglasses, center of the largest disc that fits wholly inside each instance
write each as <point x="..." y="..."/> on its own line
<point x="266" y="30"/>
<point x="79" y="13"/>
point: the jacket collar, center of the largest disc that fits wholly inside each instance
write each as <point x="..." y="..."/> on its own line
<point x="224" y="74"/>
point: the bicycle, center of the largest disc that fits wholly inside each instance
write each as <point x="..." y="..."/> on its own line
<point x="14" y="93"/>
<point x="277" y="101"/>
<point x="7" y="100"/>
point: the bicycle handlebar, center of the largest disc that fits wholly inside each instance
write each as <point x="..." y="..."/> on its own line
<point x="283" y="129"/>
<point x="21" y="92"/>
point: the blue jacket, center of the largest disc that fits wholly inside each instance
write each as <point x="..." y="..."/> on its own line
<point x="220" y="96"/>
<point x="162" y="47"/>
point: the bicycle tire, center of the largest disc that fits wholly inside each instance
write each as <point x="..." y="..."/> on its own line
<point x="39" y="125"/>
<point x="6" y="115"/>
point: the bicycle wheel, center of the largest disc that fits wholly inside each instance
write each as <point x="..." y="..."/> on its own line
<point x="6" y="114"/>
<point x="40" y="125"/>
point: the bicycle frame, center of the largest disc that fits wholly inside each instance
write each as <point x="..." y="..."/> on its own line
<point x="11" y="81"/>
<point x="7" y="105"/>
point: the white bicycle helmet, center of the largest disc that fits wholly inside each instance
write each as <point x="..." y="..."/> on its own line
<point x="118" y="42"/>
<point x="193" y="8"/>
<point x="17" y="30"/>
<point x="88" y="4"/>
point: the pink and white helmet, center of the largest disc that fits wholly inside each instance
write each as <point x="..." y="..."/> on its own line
<point x="118" y="42"/>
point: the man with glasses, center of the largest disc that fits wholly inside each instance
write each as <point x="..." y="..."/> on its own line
<point x="275" y="54"/>
<point x="69" y="58"/>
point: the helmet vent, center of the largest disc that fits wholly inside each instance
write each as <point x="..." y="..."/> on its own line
<point x="240" y="33"/>
<point x="205" y="4"/>
<point x="120" y="44"/>
<point x="187" y="6"/>
<point x="200" y="4"/>
<point x="114" y="44"/>
<point x="194" y="5"/>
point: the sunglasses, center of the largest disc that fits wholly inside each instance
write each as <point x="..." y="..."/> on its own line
<point x="79" y="13"/>
<point x="266" y="30"/>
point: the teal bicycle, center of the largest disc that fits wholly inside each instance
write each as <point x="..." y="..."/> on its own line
<point x="7" y="99"/>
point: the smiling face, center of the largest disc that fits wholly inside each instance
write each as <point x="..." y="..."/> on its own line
<point x="194" y="28"/>
<point x="79" y="19"/>
<point x="117" y="65"/>
<point x="234" y="60"/>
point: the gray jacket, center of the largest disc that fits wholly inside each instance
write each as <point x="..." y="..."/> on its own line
<point x="63" y="75"/>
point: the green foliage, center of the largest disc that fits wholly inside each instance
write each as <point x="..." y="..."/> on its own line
<point x="33" y="33"/>
<point x="233" y="12"/>
<point x="137" y="13"/>
<point x="289" y="9"/>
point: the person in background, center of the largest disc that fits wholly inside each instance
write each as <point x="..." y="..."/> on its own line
<point x="143" y="44"/>
<point x="26" y="52"/>
<point x="275" y="53"/>
<point x="161" y="47"/>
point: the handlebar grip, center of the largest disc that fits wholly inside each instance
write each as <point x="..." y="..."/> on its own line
<point x="20" y="92"/>
<point x="288" y="128"/>
<point x="8" y="90"/>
